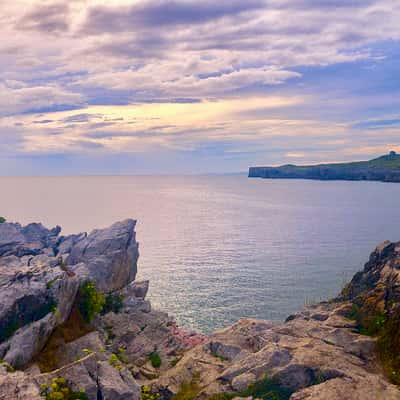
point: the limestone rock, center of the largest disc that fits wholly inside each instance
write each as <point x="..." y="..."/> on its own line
<point x="37" y="287"/>
<point x="28" y="240"/>
<point x="115" y="385"/>
<point x="108" y="256"/>
<point x="17" y="386"/>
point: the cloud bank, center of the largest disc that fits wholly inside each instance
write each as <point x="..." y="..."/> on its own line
<point x="230" y="83"/>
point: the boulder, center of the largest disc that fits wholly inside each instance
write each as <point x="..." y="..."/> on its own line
<point x="108" y="256"/>
<point x="116" y="385"/>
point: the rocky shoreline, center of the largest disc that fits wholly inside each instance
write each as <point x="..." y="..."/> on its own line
<point x="75" y="324"/>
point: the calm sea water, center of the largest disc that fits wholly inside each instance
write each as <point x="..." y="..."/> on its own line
<point x="217" y="248"/>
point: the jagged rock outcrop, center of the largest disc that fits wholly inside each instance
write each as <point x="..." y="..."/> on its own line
<point x="109" y="256"/>
<point x="315" y="355"/>
<point x="40" y="273"/>
<point x="375" y="294"/>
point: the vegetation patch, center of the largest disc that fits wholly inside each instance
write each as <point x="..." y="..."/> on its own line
<point x="188" y="390"/>
<point x="155" y="359"/>
<point x="9" y="368"/>
<point x="389" y="347"/>
<point x="59" y="389"/>
<point x="113" y="302"/>
<point x="2" y="220"/>
<point x="115" y="361"/>
<point x="90" y="300"/>
<point x="382" y="322"/>
<point x="147" y="394"/>
<point x="266" y="389"/>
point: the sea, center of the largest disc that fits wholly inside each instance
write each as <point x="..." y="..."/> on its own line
<point x="222" y="247"/>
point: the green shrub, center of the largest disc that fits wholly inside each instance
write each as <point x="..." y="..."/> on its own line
<point x="60" y="390"/>
<point x="155" y="359"/>
<point x="113" y="302"/>
<point x="146" y="394"/>
<point x="90" y="300"/>
<point x="2" y="220"/>
<point x="115" y="361"/>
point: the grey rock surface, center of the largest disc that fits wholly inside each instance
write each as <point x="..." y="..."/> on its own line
<point x="109" y="256"/>
<point x="38" y="288"/>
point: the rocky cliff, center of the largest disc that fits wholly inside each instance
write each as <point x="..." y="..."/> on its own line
<point x="385" y="168"/>
<point x="74" y="324"/>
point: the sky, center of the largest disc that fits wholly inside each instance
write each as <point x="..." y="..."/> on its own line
<point x="183" y="86"/>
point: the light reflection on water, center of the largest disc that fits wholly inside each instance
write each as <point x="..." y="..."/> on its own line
<point x="217" y="248"/>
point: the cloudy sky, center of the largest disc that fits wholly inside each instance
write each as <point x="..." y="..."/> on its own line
<point x="183" y="86"/>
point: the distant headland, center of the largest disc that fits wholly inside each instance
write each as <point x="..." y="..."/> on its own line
<point x="385" y="169"/>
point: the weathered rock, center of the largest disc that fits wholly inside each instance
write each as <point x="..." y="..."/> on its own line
<point x="302" y="353"/>
<point x="37" y="288"/>
<point x="136" y="289"/>
<point x="32" y="239"/>
<point x="33" y="301"/>
<point x="242" y="382"/>
<point x="116" y="385"/>
<point x="108" y="256"/>
<point x="67" y="353"/>
<point x="17" y="386"/>
<point x="370" y="388"/>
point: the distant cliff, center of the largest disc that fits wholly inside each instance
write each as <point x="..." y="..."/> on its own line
<point x="385" y="168"/>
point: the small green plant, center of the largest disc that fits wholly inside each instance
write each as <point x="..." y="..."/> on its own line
<point x="87" y="351"/>
<point x="146" y="394"/>
<point x="113" y="302"/>
<point x="90" y="300"/>
<point x="375" y="327"/>
<point x="155" y="359"/>
<point x="122" y="356"/>
<point x="115" y="361"/>
<point x="59" y="389"/>
<point x="2" y="220"/>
